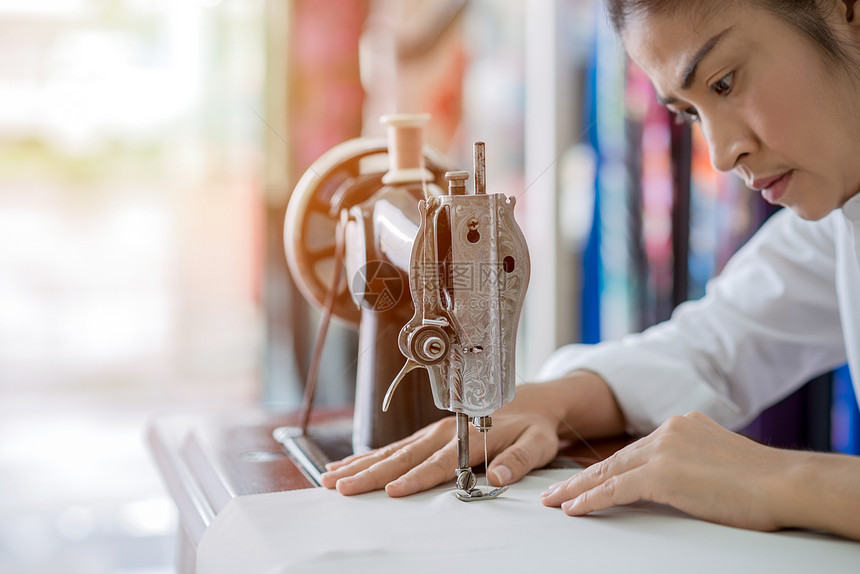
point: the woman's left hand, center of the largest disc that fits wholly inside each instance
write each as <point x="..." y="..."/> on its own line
<point x="694" y="464"/>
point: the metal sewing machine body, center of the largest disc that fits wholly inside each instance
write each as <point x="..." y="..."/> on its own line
<point x="467" y="266"/>
<point x="468" y="275"/>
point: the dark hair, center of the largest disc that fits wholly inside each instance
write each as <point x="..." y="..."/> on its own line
<point x="808" y="16"/>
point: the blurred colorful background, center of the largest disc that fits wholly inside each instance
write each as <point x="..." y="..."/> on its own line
<point x="131" y="194"/>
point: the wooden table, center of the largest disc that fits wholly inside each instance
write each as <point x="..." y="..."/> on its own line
<point x="206" y="460"/>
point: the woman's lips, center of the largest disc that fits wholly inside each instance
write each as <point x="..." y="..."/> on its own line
<point x="773" y="188"/>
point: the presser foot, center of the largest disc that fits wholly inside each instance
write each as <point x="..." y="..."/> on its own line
<point x="468" y="491"/>
<point x="480" y="493"/>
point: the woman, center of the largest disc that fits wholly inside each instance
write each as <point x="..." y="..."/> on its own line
<point x="775" y="88"/>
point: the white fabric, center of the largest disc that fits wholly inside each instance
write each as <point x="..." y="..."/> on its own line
<point x="318" y="530"/>
<point x="785" y="309"/>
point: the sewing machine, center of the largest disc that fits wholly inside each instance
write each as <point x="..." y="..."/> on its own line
<point x="391" y="214"/>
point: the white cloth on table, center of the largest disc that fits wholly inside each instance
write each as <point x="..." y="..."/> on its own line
<point x="317" y="530"/>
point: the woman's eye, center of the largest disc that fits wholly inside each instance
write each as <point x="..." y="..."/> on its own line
<point x="724" y="85"/>
<point x="688" y="116"/>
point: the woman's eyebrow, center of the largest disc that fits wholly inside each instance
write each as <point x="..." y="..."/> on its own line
<point x="689" y="75"/>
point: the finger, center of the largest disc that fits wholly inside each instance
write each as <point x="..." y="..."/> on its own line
<point x="377" y="474"/>
<point x="373" y="455"/>
<point x="336" y="464"/>
<point x="532" y="449"/>
<point x="354" y="465"/>
<point x="625" y="460"/>
<point x="376" y="454"/>
<point x="357" y="462"/>
<point x="438" y="468"/>
<point x="625" y="488"/>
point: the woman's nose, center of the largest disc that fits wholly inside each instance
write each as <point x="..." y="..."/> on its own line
<point x="729" y="142"/>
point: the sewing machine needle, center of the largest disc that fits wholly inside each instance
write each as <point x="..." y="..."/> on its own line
<point x="486" y="465"/>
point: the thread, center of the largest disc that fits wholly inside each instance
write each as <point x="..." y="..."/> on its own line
<point x="406" y="148"/>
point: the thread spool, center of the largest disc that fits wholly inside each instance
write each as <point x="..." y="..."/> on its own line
<point x="406" y="149"/>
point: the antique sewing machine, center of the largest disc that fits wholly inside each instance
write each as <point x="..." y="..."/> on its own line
<point x="382" y="236"/>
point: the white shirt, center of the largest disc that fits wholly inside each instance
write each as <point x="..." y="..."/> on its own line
<point x="785" y="309"/>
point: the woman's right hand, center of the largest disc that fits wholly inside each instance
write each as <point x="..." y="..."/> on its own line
<point x="525" y="436"/>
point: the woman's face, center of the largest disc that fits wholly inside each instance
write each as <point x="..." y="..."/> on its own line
<point x="770" y="107"/>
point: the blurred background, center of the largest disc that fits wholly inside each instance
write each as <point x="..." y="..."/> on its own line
<point x="148" y="149"/>
<point x="131" y="193"/>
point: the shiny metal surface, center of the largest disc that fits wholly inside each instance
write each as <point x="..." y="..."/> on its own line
<point x="469" y="271"/>
<point x="478" y="494"/>
<point x="468" y="274"/>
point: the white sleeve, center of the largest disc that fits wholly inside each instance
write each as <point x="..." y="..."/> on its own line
<point x="766" y="325"/>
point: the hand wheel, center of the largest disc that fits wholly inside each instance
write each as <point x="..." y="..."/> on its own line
<point x="344" y="176"/>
